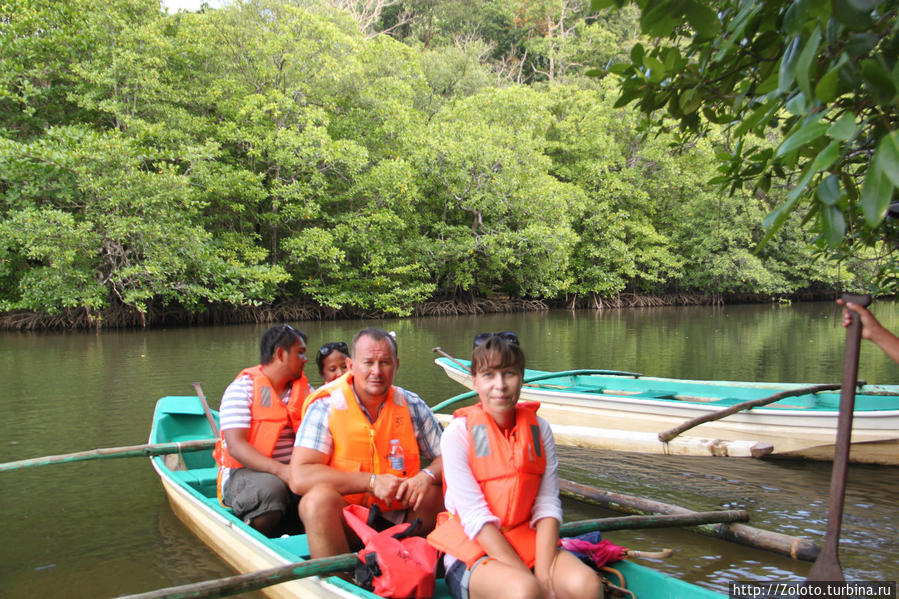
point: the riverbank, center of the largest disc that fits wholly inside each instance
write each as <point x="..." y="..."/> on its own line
<point x="126" y="317"/>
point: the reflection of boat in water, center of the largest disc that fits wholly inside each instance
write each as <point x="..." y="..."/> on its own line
<point x="627" y="411"/>
<point x="179" y="552"/>
<point x="189" y="480"/>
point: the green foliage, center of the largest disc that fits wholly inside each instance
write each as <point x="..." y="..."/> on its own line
<point x="503" y="218"/>
<point x="820" y="77"/>
<point x="269" y="150"/>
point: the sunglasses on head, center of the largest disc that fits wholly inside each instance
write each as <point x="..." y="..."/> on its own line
<point x="506" y="335"/>
<point x="286" y="329"/>
<point x="326" y="349"/>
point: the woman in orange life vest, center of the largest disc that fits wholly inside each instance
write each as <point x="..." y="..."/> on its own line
<point x="501" y="531"/>
<point x="331" y="360"/>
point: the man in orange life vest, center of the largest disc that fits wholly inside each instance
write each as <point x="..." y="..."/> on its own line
<point x="342" y="446"/>
<point x="258" y="433"/>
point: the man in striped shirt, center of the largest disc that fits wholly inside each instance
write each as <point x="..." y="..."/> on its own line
<point x="257" y="435"/>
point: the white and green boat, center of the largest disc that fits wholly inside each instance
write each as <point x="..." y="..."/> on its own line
<point x="627" y="411"/>
<point x="189" y="480"/>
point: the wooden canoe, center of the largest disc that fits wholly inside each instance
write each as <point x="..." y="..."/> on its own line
<point x="189" y="481"/>
<point x="627" y="412"/>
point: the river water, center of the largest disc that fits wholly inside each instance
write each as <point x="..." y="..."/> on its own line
<point x="104" y="528"/>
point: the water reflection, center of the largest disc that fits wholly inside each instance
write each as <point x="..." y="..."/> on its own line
<point x="781" y="495"/>
<point x="97" y="529"/>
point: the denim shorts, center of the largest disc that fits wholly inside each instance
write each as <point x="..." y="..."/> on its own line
<point x="458" y="577"/>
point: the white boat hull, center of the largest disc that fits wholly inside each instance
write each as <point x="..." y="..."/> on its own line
<point x="608" y="421"/>
<point x="240" y="550"/>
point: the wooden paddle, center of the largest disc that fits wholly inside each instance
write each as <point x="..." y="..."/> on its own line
<point x="206" y="410"/>
<point x="827" y="566"/>
<point x="232" y="585"/>
<point x="112" y="452"/>
<point x="666" y="436"/>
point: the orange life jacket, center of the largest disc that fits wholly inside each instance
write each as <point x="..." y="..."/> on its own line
<point x="323" y="391"/>
<point x="268" y="415"/>
<point x="362" y="446"/>
<point x="508" y="469"/>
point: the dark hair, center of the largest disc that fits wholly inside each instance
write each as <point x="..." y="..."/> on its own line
<point x="326" y="350"/>
<point x="507" y="335"/>
<point x="497" y="351"/>
<point x="280" y="335"/>
<point x="376" y="334"/>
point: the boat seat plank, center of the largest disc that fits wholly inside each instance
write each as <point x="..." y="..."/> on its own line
<point x="198" y="478"/>
<point x="294" y="544"/>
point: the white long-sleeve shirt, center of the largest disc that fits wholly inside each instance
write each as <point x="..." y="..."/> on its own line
<point x="463" y="493"/>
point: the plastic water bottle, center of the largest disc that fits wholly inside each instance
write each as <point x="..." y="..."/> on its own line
<point x="396" y="457"/>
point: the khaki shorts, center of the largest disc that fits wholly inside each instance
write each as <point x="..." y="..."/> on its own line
<point x="250" y="493"/>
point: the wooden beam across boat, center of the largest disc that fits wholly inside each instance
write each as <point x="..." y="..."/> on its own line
<point x="795" y="547"/>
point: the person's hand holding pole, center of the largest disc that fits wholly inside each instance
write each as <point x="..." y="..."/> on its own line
<point x="872" y="329"/>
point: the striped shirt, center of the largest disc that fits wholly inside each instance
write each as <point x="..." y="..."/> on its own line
<point x="315" y="432"/>
<point x="235" y="413"/>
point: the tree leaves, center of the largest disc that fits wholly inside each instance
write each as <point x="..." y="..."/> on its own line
<point x="269" y="150"/>
<point x="832" y="111"/>
<point x="882" y="177"/>
<point x="843" y="128"/>
<point x="802" y="137"/>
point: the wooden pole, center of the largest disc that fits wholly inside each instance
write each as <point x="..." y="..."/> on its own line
<point x="827" y="566"/>
<point x="450" y="358"/>
<point x="206" y="410"/>
<point x="112" y="452"/>
<point x="232" y="585"/>
<point x="795" y="547"/>
<point x="243" y="583"/>
<point x="666" y="436"/>
<point x="653" y="521"/>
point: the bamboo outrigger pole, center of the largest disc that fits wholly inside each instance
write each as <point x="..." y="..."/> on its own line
<point x="112" y="452"/>
<point x="795" y="547"/>
<point x="232" y="585"/>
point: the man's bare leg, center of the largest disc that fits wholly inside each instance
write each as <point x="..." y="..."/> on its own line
<point x="321" y="510"/>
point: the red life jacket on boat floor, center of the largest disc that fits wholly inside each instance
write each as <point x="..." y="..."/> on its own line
<point x="392" y="564"/>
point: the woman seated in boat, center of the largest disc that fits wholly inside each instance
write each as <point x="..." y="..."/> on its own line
<point x="331" y="360"/>
<point x="501" y="531"/>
